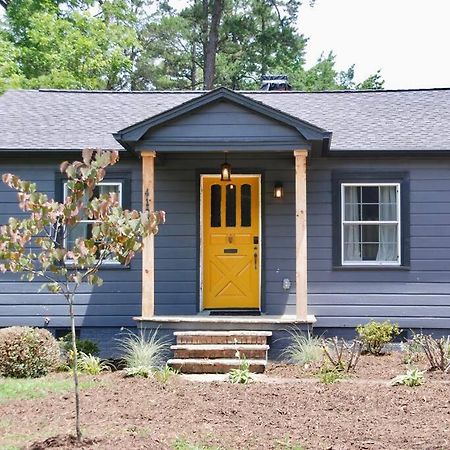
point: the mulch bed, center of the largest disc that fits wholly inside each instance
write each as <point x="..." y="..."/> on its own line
<point x="362" y="412"/>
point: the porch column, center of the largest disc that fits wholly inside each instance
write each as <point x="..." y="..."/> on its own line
<point x="300" y="235"/>
<point x="148" y="252"/>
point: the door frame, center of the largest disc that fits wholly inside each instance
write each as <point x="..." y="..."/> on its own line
<point x="237" y="175"/>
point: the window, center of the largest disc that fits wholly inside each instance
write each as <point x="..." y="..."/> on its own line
<point x="83" y="229"/>
<point x="371" y="229"/>
<point x="371" y="221"/>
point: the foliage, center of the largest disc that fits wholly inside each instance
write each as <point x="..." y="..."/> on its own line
<point x="342" y="356"/>
<point x="437" y="351"/>
<point x="413" y="377"/>
<point x="164" y="375"/>
<point x="83" y="345"/>
<point x="375" y="335"/>
<point x="143" y="352"/>
<point x="27" y="352"/>
<point x="36" y="246"/>
<point x="140" y="44"/>
<point x="71" y="44"/>
<point x="92" y="365"/>
<point x="412" y="349"/>
<point x="304" y="348"/>
<point x="29" y="388"/>
<point x="240" y="375"/>
<point x="329" y="375"/>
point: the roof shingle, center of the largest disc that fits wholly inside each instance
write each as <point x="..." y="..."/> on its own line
<point x="359" y="120"/>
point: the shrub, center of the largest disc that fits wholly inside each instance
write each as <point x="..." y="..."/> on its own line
<point x="412" y="349"/>
<point x="375" y="335"/>
<point x="437" y="351"/>
<point x="27" y="352"/>
<point x="143" y="351"/>
<point x="92" y="365"/>
<point x="413" y="377"/>
<point x="86" y="346"/>
<point x="342" y="356"/>
<point x="304" y="348"/>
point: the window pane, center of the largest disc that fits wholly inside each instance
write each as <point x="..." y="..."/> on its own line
<point x="369" y="208"/>
<point x="80" y="230"/>
<point x="352" y="242"/>
<point x="388" y="203"/>
<point x="388" y="238"/>
<point x="369" y="233"/>
<point x="231" y="205"/>
<point x="352" y="199"/>
<point x="369" y="252"/>
<point x="246" y="205"/>
<point x="103" y="189"/>
<point x="216" y="196"/>
<point x="369" y="194"/>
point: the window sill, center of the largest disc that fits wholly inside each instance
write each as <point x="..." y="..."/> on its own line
<point x="363" y="267"/>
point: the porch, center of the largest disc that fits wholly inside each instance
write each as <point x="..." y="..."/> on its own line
<point x="181" y="147"/>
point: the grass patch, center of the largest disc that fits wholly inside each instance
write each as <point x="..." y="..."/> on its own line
<point x="29" y="388"/>
<point x="182" y="444"/>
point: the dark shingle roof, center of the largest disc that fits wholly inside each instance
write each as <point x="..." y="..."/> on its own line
<point x="359" y="120"/>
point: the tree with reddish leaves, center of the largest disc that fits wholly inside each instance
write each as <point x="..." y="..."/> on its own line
<point x="37" y="246"/>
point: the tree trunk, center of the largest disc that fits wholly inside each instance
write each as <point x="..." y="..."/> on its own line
<point x="211" y="45"/>
<point x="75" y="367"/>
<point x="193" y="68"/>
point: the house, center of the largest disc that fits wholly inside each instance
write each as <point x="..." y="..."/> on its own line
<point x="337" y="210"/>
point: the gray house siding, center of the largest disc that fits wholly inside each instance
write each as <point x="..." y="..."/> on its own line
<point x="415" y="297"/>
<point x="21" y="303"/>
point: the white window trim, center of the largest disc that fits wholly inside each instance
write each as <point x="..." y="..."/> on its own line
<point x="102" y="183"/>
<point x="371" y="222"/>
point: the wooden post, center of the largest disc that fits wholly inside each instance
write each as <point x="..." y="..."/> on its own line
<point x="301" y="260"/>
<point x="148" y="252"/>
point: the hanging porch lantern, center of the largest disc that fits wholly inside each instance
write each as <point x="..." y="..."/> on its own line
<point x="225" y="170"/>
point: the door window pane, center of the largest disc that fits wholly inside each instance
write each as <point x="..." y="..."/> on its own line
<point x="246" y="205"/>
<point x="216" y="196"/>
<point x="231" y="205"/>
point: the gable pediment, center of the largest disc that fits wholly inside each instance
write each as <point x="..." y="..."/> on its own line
<point x="220" y="120"/>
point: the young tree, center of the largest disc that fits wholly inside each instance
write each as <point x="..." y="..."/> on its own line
<point x="37" y="247"/>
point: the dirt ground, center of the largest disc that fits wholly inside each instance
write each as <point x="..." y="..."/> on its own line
<point x="360" y="412"/>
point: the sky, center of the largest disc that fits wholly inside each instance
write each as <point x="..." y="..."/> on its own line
<point x="409" y="40"/>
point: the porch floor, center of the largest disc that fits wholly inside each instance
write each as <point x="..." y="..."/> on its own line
<point x="204" y="321"/>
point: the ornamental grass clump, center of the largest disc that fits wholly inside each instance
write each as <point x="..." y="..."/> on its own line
<point x="143" y="353"/>
<point x="27" y="352"/>
<point x="304" y="349"/>
<point x="375" y="335"/>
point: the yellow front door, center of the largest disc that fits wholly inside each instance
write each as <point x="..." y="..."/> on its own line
<point x="231" y="242"/>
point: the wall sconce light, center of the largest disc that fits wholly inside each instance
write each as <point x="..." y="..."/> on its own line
<point x="225" y="170"/>
<point x="278" y="190"/>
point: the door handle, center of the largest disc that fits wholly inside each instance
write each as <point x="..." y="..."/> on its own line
<point x="255" y="258"/>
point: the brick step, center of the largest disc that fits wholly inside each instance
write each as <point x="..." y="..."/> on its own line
<point x="249" y="351"/>
<point x="222" y="337"/>
<point x="203" y="365"/>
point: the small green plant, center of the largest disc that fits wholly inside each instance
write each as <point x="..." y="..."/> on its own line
<point x="183" y="444"/>
<point x="413" y="377"/>
<point x="304" y="348"/>
<point x="143" y="352"/>
<point x="329" y="375"/>
<point x="140" y="371"/>
<point x="412" y="349"/>
<point x="164" y="374"/>
<point x="242" y="374"/>
<point x="375" y="335"/>
<point x="86" y="346"/>
<point x="287" y="444"/>
<point x="27" y="352"/>
<point x="92" y="365"/>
